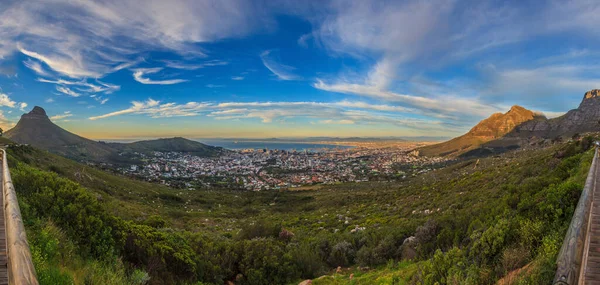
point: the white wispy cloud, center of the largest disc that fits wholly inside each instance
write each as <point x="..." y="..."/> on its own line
<point x="85" y="86"/>
<point x="237" y="78"/>
<point x="73" y="69"/>
<point x="62" y="116"/>
<point x="214" y="86"/>
<point x="444" y="105"/>
<point x="67" y="91"/>
<point x="36" y="67"/>
<point x="193" y="66"/>
<point x="442" y="34"/>
<point x="22" y="106"/>
<point x="337" y="122"/>
<point x="139" y="73"/>
<point x="119" y="31"/>
<point x="6" y="101"/>
<point x="343" y="112"/>
<point x="550" y="85"/>
<point x="94" y="39"/>
<point x="282" y="71"/>
<point x="100" y="99"/>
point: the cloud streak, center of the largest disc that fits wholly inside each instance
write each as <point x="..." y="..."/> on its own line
<point x="281" y="71"/>
<point x="63" y="116"/>
<point x="193" y="66"/>
<point x="36" y="67"/>
<point x="140" y="73"/>
<point x="332" y="113"/>
<point x="67" y="91"/>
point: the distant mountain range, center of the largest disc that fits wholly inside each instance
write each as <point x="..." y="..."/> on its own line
<point x="332" y="139"/>
<point x="36" y="129"/>
<point x="518" y="127"/>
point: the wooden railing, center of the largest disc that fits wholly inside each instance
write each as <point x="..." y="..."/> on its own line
<point x="20" y="264"/>
<point x="571" y="255"/>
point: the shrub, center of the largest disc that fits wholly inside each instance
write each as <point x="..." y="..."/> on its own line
<point x="342" y="254"/>
<point x="260" y="228"/>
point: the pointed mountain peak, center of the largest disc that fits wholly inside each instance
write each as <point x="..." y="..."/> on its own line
<point x="495" y="126"/>
<point x="517" y="108"/>
<point x="38" y="113"/>
<point x="499" y="124"/>
<point x="37" y="110"/>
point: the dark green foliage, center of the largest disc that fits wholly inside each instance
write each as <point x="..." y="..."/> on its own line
<point x="342" y="254"/>
<point x="156" y="221"/>
<point x="526" y="226"/>
<point x="259" y="229"/>
<point x="163" y="252"/>
<point x="307" y="260"/>
<point x="70" y="206"/>
<point x="264" y="261"/>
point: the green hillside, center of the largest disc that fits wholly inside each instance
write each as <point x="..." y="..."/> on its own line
<point x="472" y="223"/>
<point x="36" y="129"/>
<point x="177" y="144"/>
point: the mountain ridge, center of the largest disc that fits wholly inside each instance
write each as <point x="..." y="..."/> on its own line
<point x="585" y="118"/>
<point x="35" y="128"/>
<point x="493" y="127"/>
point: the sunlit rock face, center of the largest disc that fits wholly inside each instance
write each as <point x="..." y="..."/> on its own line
<point x="499" y="124"/>
<point x="591" y="94"/>
<point x="496" y="126"/>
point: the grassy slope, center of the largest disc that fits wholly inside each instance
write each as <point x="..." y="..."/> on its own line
<point x="529" y="273"/>
<point x="461" y="192"/>
<point x="453" y="147"/>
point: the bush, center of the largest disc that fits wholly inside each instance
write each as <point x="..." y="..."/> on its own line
<point x="307" y="260"/>
<point x="342" y="254"/>
<point x="260" y="228"/>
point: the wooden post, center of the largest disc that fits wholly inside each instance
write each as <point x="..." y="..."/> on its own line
<point x="20" y="265"/>
<point x="571" y="253"/>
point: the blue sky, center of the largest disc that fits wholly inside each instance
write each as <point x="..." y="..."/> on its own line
<point x="132" y="69"/>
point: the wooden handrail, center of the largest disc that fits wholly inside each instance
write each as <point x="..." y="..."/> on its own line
<point x="20" y="265"/>
<point x="570" y="257"/>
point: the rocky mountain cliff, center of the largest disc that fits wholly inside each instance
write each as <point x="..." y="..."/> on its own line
<point x="586" y="118"/>
<point x="496" y="126"/>
<point x="36" y="129"/>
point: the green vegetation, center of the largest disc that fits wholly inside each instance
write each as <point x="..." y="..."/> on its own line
<point x="176" y="144"/>
<point x="468" y="223"/>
